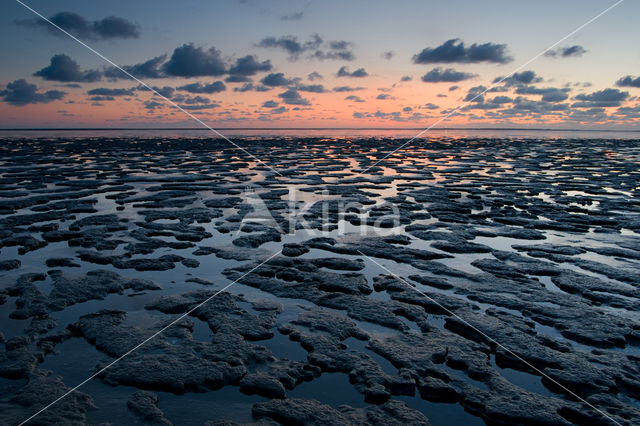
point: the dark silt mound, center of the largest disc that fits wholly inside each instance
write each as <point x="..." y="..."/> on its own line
<point x="457" y="281"/>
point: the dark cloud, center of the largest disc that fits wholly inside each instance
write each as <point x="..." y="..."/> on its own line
<point x="347" y="89"/>
<point x="452" y="88"/>
<point x="566" y="52"/>
<point x="501" y="100"/>
<point x="491" y="104"/>
<point x="115" y="27"/>
<point x="103" y="91"/>
<point x="314" y="48"/>
<point x="394" y="115"/>
<point x="383" y="96"/>
<point x="449" y="75"/>
<point x="102" y="98"/>
<point x="249" y="65"/>
<point x="293" y="16"/>
<point x="345" y="55"/>
<point x="454" y="50"/>
<point x="108" y="28"/>
<point x="276" y="80"/>
<point x="603" y="98"/>
<point x="279" y="110"/>
<point x="153" y="105"/>
<point x="344" y="72"/>
<point x="292" y="97"/>
<point x="199" y="107"/>
<point x="549" y="94"/>
<point x="541" y="107"/>
<point x="314" y="76"/>
<point x="270" y="104"/>
<point x="20" y="93"/>
<point x="629" y="112"/>
<point x="289" y="44"/>
<point x="431" y="106"/>
<point x="475" y="94"/>
<point x="165" y="91"/>
<point x="237" y="78"/>
<point x="191" y="100"/>
<point x="388" y="55"/>
<point x="628" y="81"/>
<point x="215" y="87"/>
<point x="248" y="87"/>
<point x="406" y="78"/>
<point x="518" y="78"/>
<point x="191" y="61"/>
<point x="63" y="68"/>
<point x="354" y="98"/>
<point x="147" y="69"/>
<point x="314" y="88"/>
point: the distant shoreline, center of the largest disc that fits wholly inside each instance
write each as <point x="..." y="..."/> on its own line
<point x="493" y="129"/>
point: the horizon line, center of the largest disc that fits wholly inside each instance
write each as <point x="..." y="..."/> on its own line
<point x="551" y="129"/>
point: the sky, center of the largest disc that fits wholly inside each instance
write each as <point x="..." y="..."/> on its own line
<point x="234" y="63"/>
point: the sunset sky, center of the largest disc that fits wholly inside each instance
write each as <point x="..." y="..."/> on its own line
<point x="321" y="64"/>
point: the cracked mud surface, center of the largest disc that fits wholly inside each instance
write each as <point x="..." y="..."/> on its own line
<point x="512" y="254"/>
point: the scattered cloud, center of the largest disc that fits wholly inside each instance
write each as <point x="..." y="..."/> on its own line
<point x="518" y="78"/>
<point x="348" y="89"/>
<point x="63" y="68"/>
<point x="20" y="93"/>
<point x="247" y="87"/>
<point x="270" y="104"/>
<point x="388" y="54"/>
<point x="313" y="88"/>
<point x="406" y="78"/>
<point x="314" y="48"/>
<point x="103" y="91"/>
<point x="101" y="98"/>
<point x="279" y="110"/>
<point x="354" y="98"/>
<point x="247" y="66"/>
<point x="566" y="52"/>
<point x="215" y="87"/>
<point x="549" y="94"/>
<point x="109" y="28"/>
<point x="602" y="98"/>
<point x="475" y="94"/>
<point x="383" y="96"/>
<point x="292" y="97"/>
<point x="191" y="61"/>
<point x="501" y="100"/>
<point x="147" y="69"/>
<point x="276" y="80"/>
<point x="344" y="72"/>
<point x="449" y="75"/>
<point x="628" y="81"/>
<point x="165" y="91"/>
<point x="314" y="76"/>
<point x="454" y="50"/>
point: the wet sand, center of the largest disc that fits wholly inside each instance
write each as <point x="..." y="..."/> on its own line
<point x="457" y="281"/>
